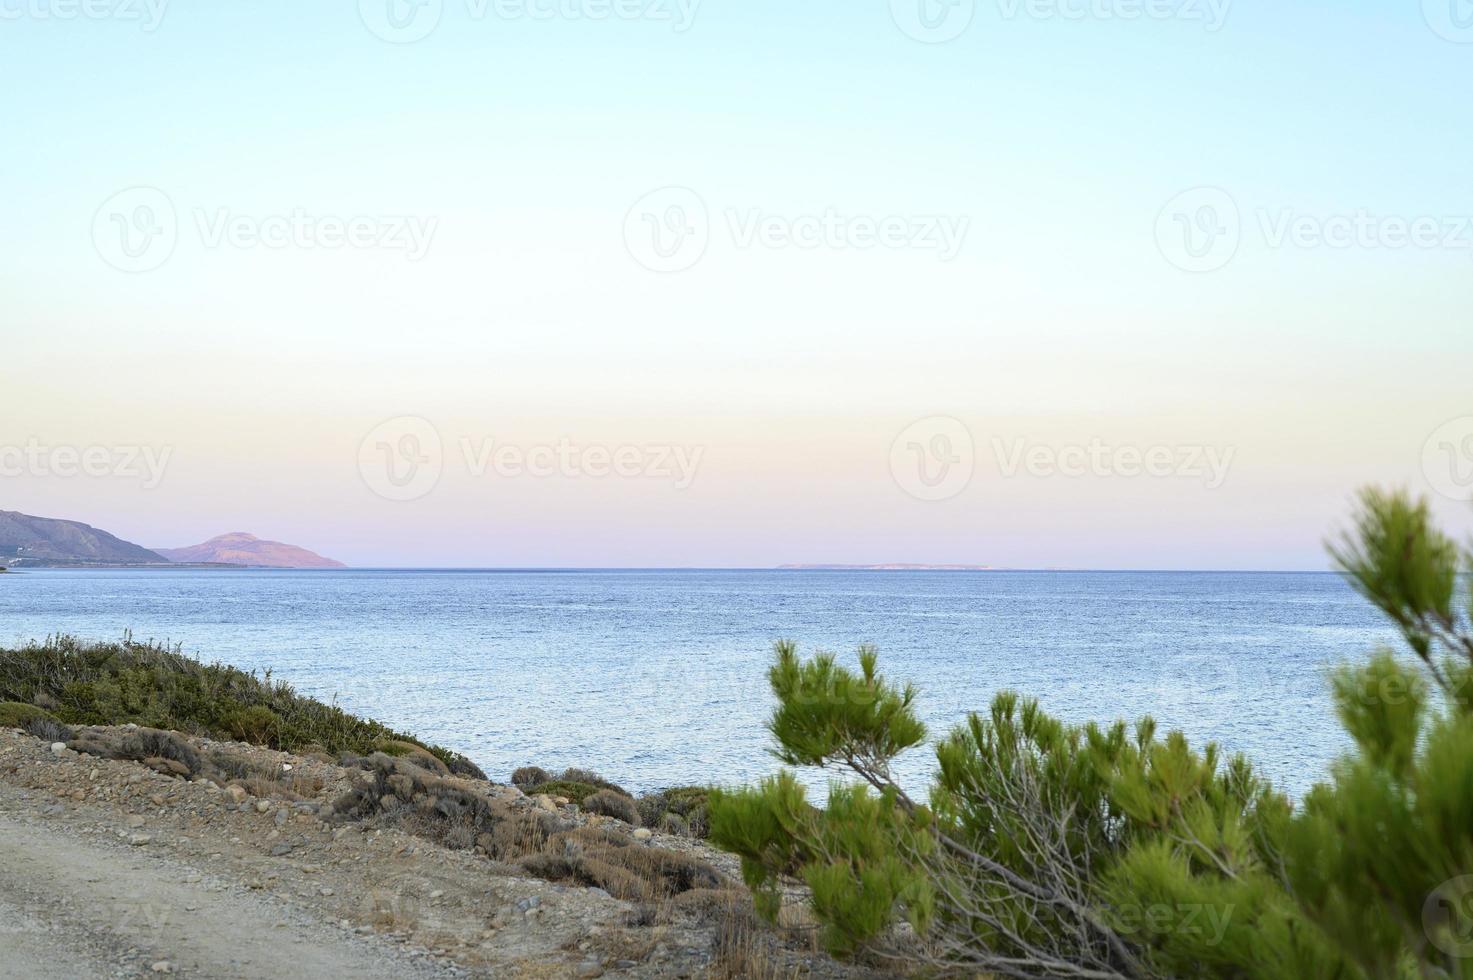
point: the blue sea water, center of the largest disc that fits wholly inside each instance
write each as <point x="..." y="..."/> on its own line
<point x="656" y="678"/>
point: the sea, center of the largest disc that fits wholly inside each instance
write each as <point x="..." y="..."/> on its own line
<point x="657" y="678"/>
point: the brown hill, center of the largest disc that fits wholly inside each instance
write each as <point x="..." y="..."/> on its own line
<point x="239" y="548"/>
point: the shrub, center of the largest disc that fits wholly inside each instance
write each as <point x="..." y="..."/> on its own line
<point x="48" y="729"/>
<point x="256" y="724"/>
<point x="529" y="776"/>
<point x="14" y="714"/>
<point x="590" y="778"/>
<point x="680" y="810"/>
<point x="413" y="753"/>
<point x="625" y="870"/>
<point x="444" y="810"/>
<point x="1045" y="849"/>
<point x="611" y="804"/>
<point x="148" y="685"/>
<point x="577" y="792"/>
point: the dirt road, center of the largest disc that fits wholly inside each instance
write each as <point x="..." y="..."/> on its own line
<point x="73" y="908"/>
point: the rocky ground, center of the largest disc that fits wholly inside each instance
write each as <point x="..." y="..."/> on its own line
<point x="116" y="868"/>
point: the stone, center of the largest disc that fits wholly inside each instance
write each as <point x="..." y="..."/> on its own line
<point x="280" y="818"/>
<point x="545" y="803"/>
<point x="162" y="966"/>
<point x="237" y="794"/>
<point x="643" y="833"/>
<point x="58" y="748"/>
<point x="139" y="840"/>
<point x="262" y="806"/>
<point x="135" y="821"/>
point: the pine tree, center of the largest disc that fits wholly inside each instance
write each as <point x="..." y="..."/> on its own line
<point x="1052" y="850"/>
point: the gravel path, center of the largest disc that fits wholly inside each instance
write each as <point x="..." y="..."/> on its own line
<point x="73" y="908"/>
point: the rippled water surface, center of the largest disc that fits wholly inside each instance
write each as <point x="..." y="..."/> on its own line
<point x="656" y="678"/>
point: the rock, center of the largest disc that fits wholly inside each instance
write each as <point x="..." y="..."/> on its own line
<point x="546" y="803"/>
<point x="590" y="968"/>
<point x="236" y="793"/>
<point x="280" y="818"/>
<point x="262" y="806"/>
<point x="437" y="893"/>
<point x="281" y="850"/>
<point x="58" y="748"/>
<point x="139" y="840"/>
<point x="162" y="966"/>
<point x="528" y="904"/>
<point x="135" y="821"/>
<point x="643" y="833"/>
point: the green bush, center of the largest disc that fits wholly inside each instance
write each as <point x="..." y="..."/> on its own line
<point x="147" y="685"/>
<point x="15" y="714"/>
<point x="591" y="778"/>
<point x="577" y="792"/>
<point x="1052" y="850"/>
<point x="679" y="810"/>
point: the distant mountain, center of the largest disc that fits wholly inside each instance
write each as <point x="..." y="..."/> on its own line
<point x="45" y="540"/>
<point x="239" y="548"/>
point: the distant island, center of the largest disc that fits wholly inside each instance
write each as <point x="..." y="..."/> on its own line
<point x="240" y="548"/>
<point x="894" y="567"/>
<point x="47" y="542"/>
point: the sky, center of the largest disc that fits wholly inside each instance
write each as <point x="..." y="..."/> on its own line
<point x="650" y="283"/>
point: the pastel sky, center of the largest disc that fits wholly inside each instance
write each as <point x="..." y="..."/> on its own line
<point x="747" y="282"/>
